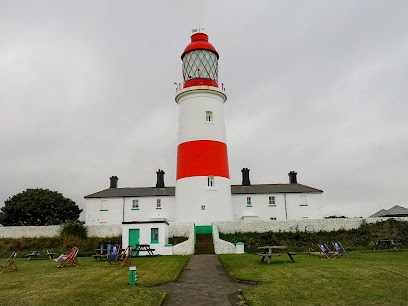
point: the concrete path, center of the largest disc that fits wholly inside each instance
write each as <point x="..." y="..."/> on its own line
<point x="203" y="281"/>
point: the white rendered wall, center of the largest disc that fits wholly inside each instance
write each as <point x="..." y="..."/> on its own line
<point x="292" y="210"/>
<point x="182" y="229"/>
<point x="112" y="212"/>
<point x="194" y="102"/>
<point x="148" y="209"/>
<point x="104" y="211"/>
<point x="195" y="193"/>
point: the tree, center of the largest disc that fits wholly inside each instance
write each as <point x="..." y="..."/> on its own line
<point x="38" y="207"/>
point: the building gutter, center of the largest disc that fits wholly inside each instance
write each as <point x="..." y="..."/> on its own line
<point x="286" y="209"/>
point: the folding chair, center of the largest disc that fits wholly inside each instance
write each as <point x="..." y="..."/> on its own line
<point x="10" y="263"/>
<point x="71" y="261"/>
<point x="113" y="255"/>
<point x="325" y="251"/>
<point x="339" y="248"/>
<point x="126" y="256"/>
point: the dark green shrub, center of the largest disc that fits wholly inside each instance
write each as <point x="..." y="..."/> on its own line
<point x="74" y="228"/>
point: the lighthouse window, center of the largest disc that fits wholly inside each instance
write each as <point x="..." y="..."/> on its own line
<point x="208" y="116"/>
<point x="249" y="202"/>
<point x="200" y="64"/>
<point x="210" y="181"/>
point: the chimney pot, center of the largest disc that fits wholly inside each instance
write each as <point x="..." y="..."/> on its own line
<point x="114" y="182"/>
<point x="160" y="179"/>
<point x="245" y="177"/>
<point x="292" y="177"/>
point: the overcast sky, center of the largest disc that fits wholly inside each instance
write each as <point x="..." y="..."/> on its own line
<point x="319" y="87"/>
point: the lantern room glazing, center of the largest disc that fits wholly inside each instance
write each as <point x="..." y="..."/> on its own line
<point x="200" y="62"/>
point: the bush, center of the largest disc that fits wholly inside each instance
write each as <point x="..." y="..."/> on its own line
<point x="361" y="238"/>
<point x="74" y="228"/>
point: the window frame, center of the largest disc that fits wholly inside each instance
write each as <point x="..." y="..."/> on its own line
<point x="248" y="201"/>
<point x="158" y="204"/>
<point x="135" y="207"/>
<point x="210" y="181"/>
<point x="209" y="117"/>
<point x="152" y="240"/>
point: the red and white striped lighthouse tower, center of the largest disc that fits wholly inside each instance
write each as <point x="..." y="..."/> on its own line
<point x="203" y="188"/>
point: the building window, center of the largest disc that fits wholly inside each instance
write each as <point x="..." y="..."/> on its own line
<point x="155" y="235"/>
<point x="210" y="181"/>
<point x="249" y="202"/>
<point x="272" y="218"/>
<point x="272" y="201"/>
<point x="303" y="200"/>
<point x="135" y="204"/>
<point x="158" y="204"/>
<point x="208" y="116"/>
<point x="104" y="205"/>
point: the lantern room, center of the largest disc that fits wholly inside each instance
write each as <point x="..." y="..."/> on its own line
<point x="200" y="62"/>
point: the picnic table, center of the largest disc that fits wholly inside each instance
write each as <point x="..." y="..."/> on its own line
<point x="100" y="253"/>
<point x="271" y="251"/>
<point x="50" y="254"/>
<point x="142" y="248"/>
<point x="386" y="242"/>
<point x="34" y="254"/>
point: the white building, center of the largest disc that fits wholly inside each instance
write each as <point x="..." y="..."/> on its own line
<point x="249" y="202"/>
<point x="203" y="193"/>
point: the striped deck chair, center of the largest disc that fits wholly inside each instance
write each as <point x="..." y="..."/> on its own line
<point x="126" y="256"/>
<point x="10" y="263"/>
<point x="340" y="250"/>
<point x="113" y="255"/>
<point x="71" y="261"/>
<point x="325" y="252"/>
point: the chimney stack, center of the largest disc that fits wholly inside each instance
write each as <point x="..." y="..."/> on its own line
<point x="160" y="179"/>
<point x="114" y="182"/>
<point x="292" y="177"/>
<point x="245" y="177"/>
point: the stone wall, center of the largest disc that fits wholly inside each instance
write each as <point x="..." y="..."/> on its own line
<point x="53" y="230"/>
<point x="183" y="230"/>
<point x="316" y="225"/>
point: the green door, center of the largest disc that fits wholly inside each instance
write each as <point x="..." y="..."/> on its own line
<point x="133" y="236"/>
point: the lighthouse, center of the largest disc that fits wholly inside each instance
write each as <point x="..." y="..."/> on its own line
<point x="203" y="188"/>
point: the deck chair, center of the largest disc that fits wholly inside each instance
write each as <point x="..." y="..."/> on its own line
<point x="72" y="261"/>
<point x="325" y="251"/>
<point x="339" y="248"/>
<point x="10" y="263"/>
<point x="126" y="256"/>
<point x="113" y="255"/>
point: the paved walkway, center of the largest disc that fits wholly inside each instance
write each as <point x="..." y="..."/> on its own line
<point x="203" y="281"/>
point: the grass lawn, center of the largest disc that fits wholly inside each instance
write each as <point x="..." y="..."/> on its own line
<point x="40" y="282"/>
<point x="366" y="278"/>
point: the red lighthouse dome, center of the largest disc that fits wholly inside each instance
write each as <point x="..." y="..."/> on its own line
<point x="200" y="62"/>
